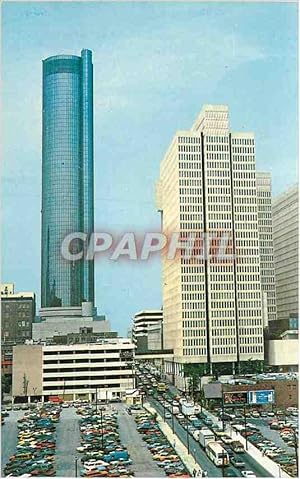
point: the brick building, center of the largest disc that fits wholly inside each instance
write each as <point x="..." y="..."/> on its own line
<point x="286" y="391"/>
<point x="17" y="316"/>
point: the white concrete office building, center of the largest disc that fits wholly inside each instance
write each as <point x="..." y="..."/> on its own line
<point x="286" y="251"/>
<point x="76" y="371"/>
<point x="213" y="308"/>
<point x="265" y="227"/>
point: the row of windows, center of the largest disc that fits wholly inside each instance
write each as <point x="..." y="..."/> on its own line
<point x="242" y="141"/>
<point x="216" y="147"/>
<point x="93" y="351"/>
<point x="189" y="139"/>
<point x="87" y="378"/>
<point x="190" y="148"/>
<point x="68" y="387"/>
<point x="194" y="342"/>
<point x="224" y="351"/>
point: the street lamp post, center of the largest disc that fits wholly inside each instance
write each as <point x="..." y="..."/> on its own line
<point x="187" y="436"/>
<point x="245" y="426"/>
<point x="96" y="400"/>
<point x="76" y="462"/>
<point x="223" y="419"/>
<point x="223" y="466"/>
<point x="102" y="436"/>
<point x="172" y="420"/>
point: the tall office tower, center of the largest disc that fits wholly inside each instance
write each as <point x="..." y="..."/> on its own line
<point x="67" y="177"/>
<point x="267" y="271"/>
<point x="286" y="252"/>
<point x="212" y="309"/>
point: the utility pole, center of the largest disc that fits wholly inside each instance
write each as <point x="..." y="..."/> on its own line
<point x="76" y="461"/>
<point x="187" y="436"/>
<point x="223" y="419"/>
<point x="64" y="386"/>
<point x="172" y="420"/>
<point x="96" y="400"/>
<point x="102" y="436"/>
<point x="245" y="423"/>
<point x="223" y="465"/>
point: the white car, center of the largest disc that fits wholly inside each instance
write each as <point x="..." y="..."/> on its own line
<point x="248" y="474"/>
<point x="193" y="417"/>
<point x="180" y="416"/>
<point x="168" y="415"/>
<point x="255" y="414"/>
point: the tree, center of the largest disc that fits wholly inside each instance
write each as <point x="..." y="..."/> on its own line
<point x="194" y="372"/>
<point x="5" y="384"/>
<point x="251" y="366"/>
<point x="25" y="384"/>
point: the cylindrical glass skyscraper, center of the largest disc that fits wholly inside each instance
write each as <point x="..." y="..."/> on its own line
<point x="67" y="177"/>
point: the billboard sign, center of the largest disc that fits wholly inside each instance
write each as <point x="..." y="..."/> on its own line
<point x="235" y="398"/>
<point x="264" y="396"/>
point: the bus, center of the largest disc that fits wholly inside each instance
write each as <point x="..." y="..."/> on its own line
<point x="217" y="454"/>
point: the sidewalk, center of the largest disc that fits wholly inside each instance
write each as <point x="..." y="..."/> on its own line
<point x="179" y="447"/>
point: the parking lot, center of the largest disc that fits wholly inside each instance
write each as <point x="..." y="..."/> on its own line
<point x="142" y="463"/>
<point x="68" y="439"/>
<point x="9" y="436"/>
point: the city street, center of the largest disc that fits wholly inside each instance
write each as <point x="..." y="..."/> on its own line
<point x="68" y="439"/>
<point x="9" y="436"/>
<point x="195" y="448"/>
<point x="142" y="463"/>
<point x="202" y="458"/>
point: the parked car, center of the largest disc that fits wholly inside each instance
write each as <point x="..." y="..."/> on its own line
<point x="248" y="474"/>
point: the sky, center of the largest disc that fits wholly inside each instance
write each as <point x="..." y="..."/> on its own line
<point x="155" y="65"/>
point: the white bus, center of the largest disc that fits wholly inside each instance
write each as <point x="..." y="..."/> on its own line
<point x="217" y="454"/>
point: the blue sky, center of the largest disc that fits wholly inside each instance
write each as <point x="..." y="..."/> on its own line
<point x="155" y="65"/>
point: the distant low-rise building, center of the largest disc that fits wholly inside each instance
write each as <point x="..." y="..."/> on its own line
<point x="155" y="336"/>
<point x="17" y="316"/>
<point x="142" y="322"/>
<point x="285" y="391"/>
<point x="77" y="371"/>
<point x="282" y="344"/>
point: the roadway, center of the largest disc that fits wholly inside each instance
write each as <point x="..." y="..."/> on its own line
<point x="196" y="450"/>
<point x="201" y="456"/>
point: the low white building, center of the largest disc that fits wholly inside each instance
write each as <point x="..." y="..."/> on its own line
<point x="77" y="371"/>
<point x="284" y="353"/>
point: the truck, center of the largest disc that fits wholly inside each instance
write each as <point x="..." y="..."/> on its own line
<point x="205" y="436"/>
<point x="187" y="408"/>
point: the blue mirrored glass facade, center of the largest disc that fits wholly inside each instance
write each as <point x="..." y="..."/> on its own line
<point x="67" y="177"/>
